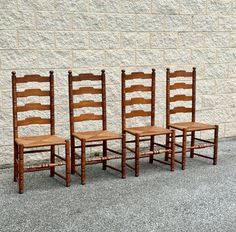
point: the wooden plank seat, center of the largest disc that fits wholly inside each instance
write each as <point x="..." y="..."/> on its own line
<point x="151" y="130"/>
<point x="192" y="126"/>
<point x="25" y="144"/>
<point x="86" y="137"/>
<point x="40" y="141"/>
<point x="187" y="126"/>
<point x="99" y="135"/>
<point x="147" y="131"/>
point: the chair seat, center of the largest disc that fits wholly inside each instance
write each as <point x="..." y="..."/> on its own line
<point x="40" y="141"/>
<point x="147" y="131"/>
<point x="192" y="126"/>
<point x="99" y="135"/>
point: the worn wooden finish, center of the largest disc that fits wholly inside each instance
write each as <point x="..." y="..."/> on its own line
<point x="146" y="131"/>
<point x="135" y="88"/>
<point x="23" y="143"/>
<point x="189" y="126"/>
<point x="87" y="90"/>
<point x="91" y="136"/>
<point x="32" y="92"/>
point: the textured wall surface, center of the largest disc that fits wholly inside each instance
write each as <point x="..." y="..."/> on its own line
<point x="88" y="35"/>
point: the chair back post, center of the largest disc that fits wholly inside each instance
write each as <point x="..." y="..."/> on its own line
<point x="70" y="87"/>
<point x="194" y="95"/>
<point x="52" y="106"/>
<point x="104" y="111"/>
<point x="14" y="105"/>
<point x="153" y="97"/>
<point x="123" y="100"/>
<point x="167" y="97"/>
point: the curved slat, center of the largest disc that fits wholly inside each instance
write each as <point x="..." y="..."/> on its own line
<point x="87" y="117"/>
<point x="87" y="77"/>
<point x="32" y="92"/>
<point x="33" y="120"/>
<point x="180" y="73"/>
<point x="180" y="98"/>
<point x="138" y="113"/>
<point x="32" y="78"/>
<point x="138" y="75"/>
<point x="181" y="85"/>
<point x="134" y="88"/>
<point x="90" y="103"/>
<point x="32" y="106"/>
<point x="138" y="100"/>
<point x="85" y="90"/>
<point x="180" y="109"/>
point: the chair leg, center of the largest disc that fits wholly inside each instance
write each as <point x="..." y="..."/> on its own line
<point x="52" y="160"/>
<point x="104" y="162"/>
<point x="151" y="149"/>
<point x="184" y="143"/>
<point x="83" y="162"/>
<point x="136" y="155"/>
<point x="15" y="161"/>
<point x="167" y="145"/>
<point x="172" y="162"/>
<point x="216" y="145"/>
<point x="192" y="144"/>
<point x="72" y="155"/>
<point x="68" y="165"/>
<point x="123" y="157"/>
<point x="21" y="169"/>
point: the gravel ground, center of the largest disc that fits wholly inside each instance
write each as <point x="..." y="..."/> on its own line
<point x="201" y="198"/>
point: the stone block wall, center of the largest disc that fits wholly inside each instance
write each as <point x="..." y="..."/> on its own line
<point x="90" y="35"/>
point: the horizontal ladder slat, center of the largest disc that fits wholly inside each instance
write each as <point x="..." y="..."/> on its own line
<point x="180" y="86"/>
<point x="86" y="90"/>
<point x="32" y="92"/>
<point x="87" y="117"/>
<point x="138" y="75"/>
<point x="133" y="101"/>
<point x="134" y="88"/>
<point x="42" y="167"/>
<point x="180" y="109"/>
<point x="32" y="78"/>
<point x="33" y="120"/>
<point x="90" y="103"/>
<point x="180" y="97"/>
<point x="87" y="77"/>
<point x="180" y="73"/>
<point x="138" y="113"/>
<point x="32" y="106"/>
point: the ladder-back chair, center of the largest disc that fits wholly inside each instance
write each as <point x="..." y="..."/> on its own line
<point x="187" y="128"/>
<point x="143" y="131"/>
<point x="86" y="137"/>
<point x="24" y="145"/>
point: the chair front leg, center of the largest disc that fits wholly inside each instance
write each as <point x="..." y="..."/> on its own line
<point x="215" y="145"/>
<point x="52" y="160"/>
<point x="151" y="149"/>
<point x="72" y="155"/>
<point x="15" y="161"/>
<point x="184" y="146"/>
<point x="167" y="146"/>
<point x="83" y="162"/>
<point x="104" y="148"/>
<point x="172" y="161"/>
<point x="123" y="156"/>
<point x="21" y="169"/>
<point x="192" y="144"/>
<point x="137" y="151"/>
<point x="68" y="164"/>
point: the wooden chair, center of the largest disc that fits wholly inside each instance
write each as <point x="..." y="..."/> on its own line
<point x="187" y="128"/>
<point x="86" y="137"/>
<point x="24" y="145"/>
<point x="144" y="131"/>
